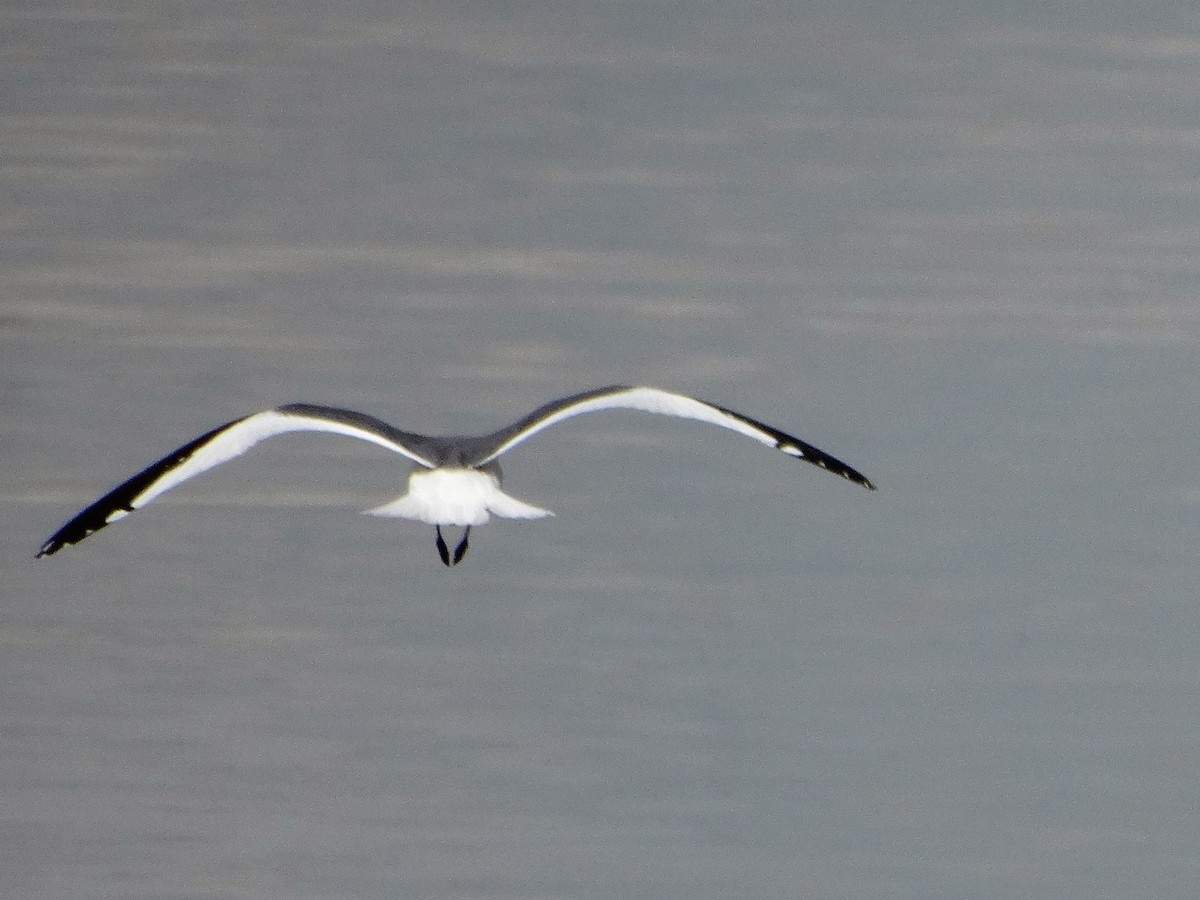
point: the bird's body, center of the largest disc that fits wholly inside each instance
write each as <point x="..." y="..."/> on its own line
<point x="454" y="496"/>
<point x="457" y="479"/>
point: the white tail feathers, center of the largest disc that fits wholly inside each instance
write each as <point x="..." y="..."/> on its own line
<point x="456" y="497"/>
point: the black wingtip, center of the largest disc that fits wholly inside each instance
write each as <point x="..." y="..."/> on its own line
<point x="64" y="537"/>
<point x="86" y="523"/>
<point x="832" y="464"/>
<point x="859" y="478"/>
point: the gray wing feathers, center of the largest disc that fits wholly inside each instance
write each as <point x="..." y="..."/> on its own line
<point x="222" y="444"/>
<point x="654" y="400"/>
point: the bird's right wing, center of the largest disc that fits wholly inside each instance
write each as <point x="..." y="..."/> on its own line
<point x="665" y="403"/>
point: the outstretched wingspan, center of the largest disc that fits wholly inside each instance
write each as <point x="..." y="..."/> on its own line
<point x="222" y="444"/>
<point x="665" y="403"/>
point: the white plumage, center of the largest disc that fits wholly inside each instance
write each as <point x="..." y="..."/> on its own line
<point x="458" y="479"/>
<point x="456" y="497"/>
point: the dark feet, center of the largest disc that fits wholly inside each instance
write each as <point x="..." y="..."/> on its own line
<point x="443" y="550"/>
<point x="459" y="552"/>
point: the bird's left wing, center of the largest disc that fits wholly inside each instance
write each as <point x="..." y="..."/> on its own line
<point x="220" y="445"/>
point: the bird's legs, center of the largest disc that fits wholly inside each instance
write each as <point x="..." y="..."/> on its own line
<point x="459" y="551"/>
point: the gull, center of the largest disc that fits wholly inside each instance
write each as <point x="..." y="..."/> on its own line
<point x="456" y="480"/>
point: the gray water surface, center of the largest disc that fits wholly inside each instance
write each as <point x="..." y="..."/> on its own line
<point x="956" y="249"/>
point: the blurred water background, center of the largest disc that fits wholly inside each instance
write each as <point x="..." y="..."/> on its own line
<point x="953" y="244"/>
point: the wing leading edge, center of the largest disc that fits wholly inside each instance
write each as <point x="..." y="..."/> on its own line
<point x="220" y="445"/>
<point x="654" y="400"/>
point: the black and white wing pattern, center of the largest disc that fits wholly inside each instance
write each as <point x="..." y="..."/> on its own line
<point x="222" y="444"/>
<point x="665" y="403"/>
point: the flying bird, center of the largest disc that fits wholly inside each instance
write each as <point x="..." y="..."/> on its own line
<point x="456" y="480"/>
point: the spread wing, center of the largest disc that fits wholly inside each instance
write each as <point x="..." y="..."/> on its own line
<point x="664" y="403"/>
<point x="222" y="444"/>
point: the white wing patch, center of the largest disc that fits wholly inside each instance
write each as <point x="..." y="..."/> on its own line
<point x="237" y="439"/>
<point x="646" y="399"/>
<point x="445" y="495"/>
<point x="220" y="445"/>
